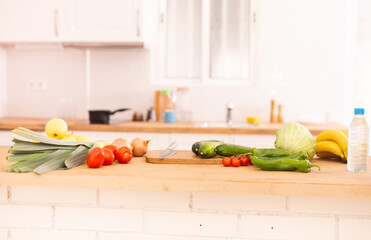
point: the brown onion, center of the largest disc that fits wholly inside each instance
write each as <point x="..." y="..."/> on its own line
<point x="140" y="146"/>
<point x="121" y="142"/>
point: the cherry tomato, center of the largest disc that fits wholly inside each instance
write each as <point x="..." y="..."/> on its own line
<point x="235" y="162"/>
<point x="244" y="161"/>
<point x="124" y="155"/>
<point x="111" y="147"/>
<point x="226" y="161"/>
<point x="109" y="157"/>
<point x="95" y="158"/>
<point x="238" y="156"/>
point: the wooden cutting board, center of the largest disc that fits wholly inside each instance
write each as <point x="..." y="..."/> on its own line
<point x="181" y="157"/>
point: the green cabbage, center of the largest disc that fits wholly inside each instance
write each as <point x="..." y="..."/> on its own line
<point x="294" y="137"/>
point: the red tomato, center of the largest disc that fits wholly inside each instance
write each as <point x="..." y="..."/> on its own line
<point x="235" y="162"/>
<point x="109" y="157"/>
<point x="111" y="147"/>
<point x="124" y="155"/>
<point x="239" y="156"/>
<point x="226" y="161"/>
<point x="244" y="161"/>
<point x="95" y="158"/>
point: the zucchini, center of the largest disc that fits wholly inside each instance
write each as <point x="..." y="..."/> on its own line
<point x="207" y="150"/>
<point x="232" y="149"/>
<point x="196" y="146"/>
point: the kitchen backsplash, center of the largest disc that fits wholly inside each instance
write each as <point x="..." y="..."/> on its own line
<point x="121" y="78"/>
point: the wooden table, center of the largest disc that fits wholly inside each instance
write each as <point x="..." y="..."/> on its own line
<point x="9" y="123"/>
<point x="332" y="181"/>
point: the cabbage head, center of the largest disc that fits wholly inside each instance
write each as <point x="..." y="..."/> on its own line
<point x="294" y="137"/>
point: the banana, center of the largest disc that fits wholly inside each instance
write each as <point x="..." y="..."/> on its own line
<point x="330" y="146"/>
<point x="345" y="132"/>
<point x="337" y="136"/>
<point x="326" y="155"/>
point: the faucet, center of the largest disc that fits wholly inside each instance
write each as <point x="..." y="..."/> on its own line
<point x="230" y="106"/>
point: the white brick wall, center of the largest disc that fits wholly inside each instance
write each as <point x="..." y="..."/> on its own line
<point x="3" y="193"/>
<point x="354" y="228"/>
<point x="54" y="195"/>
<point x="330" y="205"/>
<point x="98" y="219"/>
<point x="143" y="199"/>
<point x="238" y="202"/>
<point x="42" y="234"/>
<point x="45" y="213"/>
<point x="287" y="227"/>
<point x="191" y="223"/>
<point x="25" y="216"/>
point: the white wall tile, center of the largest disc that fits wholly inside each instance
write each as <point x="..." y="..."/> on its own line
<point x="63" y="71"/>
<point x="121" y="78"/>
<point x="191" y="223"/>
<point x="238" y="202"/>
<point x="25" y="216"/>
<point x="144" y="198"/>
<point x="287" y="227"/>
<point x="104" y="219"/>
<point x="3" y="193"/>
<point x="361" y="206"/>
<point x="355" y="229"/>
<point x="42" y="234"/>
<point x="144" y="236"/>
<point x="53" y="195"/>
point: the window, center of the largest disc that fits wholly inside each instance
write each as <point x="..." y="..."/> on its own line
<point x="204" y="42"/>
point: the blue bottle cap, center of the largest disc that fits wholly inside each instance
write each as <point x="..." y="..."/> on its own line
<point x="359" y="111"/>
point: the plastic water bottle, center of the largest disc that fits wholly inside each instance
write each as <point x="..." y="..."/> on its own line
<point x="358" y="142"/>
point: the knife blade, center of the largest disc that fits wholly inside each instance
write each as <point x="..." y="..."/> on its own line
<point x="169" y="151"/>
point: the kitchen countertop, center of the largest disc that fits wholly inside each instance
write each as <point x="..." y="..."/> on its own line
<point x="9" y="123"/>
<point x="332" y="181"/>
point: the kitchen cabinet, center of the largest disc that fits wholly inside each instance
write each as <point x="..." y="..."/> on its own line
<point x="28" y="21"/>
<point x="101" y="21"/>
<point x="71" y="21"/>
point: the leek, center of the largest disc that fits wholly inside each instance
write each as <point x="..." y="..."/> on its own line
<point x="43" y="154"/>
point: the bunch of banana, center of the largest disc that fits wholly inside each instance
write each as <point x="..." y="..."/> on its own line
<point x="332" y="144"/>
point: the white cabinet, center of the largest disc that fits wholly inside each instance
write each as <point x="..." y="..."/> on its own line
<point x="28" y="21"/>
<point x="101" y="20"/>
<point x="71" y="21"/>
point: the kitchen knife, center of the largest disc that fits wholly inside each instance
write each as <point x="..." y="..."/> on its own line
<point x="169" y="151"/>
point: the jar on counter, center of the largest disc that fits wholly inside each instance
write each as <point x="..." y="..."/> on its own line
<point x="165" y="106"/>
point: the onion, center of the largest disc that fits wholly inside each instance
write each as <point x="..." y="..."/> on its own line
<point x="140" y="146"/>
<point x="121" y="142"/>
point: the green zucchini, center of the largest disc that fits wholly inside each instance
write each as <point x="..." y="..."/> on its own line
<point x="196" y="146"/>
<point x="232" y="149"/>
<point x="207" y="150"/>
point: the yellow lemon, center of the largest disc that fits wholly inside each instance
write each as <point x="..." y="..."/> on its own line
<point x="56" y="128"/>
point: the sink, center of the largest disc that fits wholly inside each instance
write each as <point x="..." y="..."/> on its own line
<point x="224" y="125"/>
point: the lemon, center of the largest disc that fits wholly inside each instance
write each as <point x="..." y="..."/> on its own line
<point x="82" y="139"/>
<point x="56" y="128"/>
<point x="69" y="137"/>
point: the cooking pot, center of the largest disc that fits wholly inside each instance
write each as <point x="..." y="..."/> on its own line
<point x="102" y="116"/>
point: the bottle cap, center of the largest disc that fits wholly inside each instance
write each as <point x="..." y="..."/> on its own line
<point x="359" y="111"/>
<point x="165" y="91"/>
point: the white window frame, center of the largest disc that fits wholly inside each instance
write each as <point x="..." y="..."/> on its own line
<point x="158" y="51"/>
